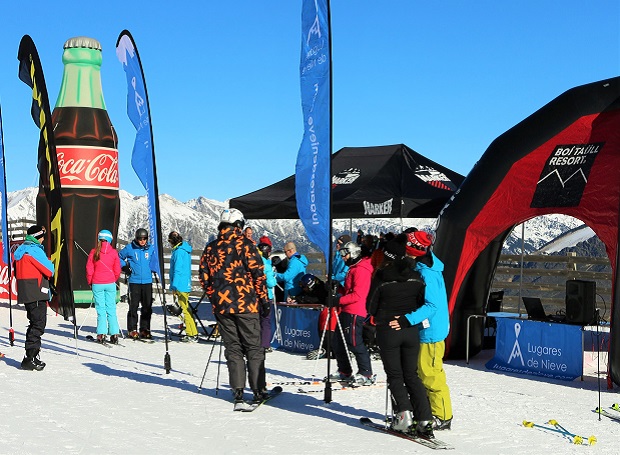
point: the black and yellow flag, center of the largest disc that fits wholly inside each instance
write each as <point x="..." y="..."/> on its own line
<point x="31" y="73"/>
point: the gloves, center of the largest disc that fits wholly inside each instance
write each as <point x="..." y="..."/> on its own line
<point x="402" y="321"/>
<point x="127" y="269"/>
<point x="265" y="308"/>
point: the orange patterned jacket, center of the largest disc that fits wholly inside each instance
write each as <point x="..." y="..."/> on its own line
<point x="231" y="272"/>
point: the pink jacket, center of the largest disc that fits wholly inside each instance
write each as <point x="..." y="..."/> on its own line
<point x="107" y="269"/>
<point x="356" y="287"/>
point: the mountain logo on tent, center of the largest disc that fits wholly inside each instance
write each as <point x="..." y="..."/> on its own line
<point x="346" y="177"/>
<point x="555" y="172"/>
<point x="434" y="178"/>
<point x="565" y="175"/>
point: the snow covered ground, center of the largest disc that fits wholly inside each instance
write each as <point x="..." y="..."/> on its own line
<point x="91" y="399"/>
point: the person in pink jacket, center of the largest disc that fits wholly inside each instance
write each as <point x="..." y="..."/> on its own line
<point x="352" y="316"/>
<point x="103" y="269"/>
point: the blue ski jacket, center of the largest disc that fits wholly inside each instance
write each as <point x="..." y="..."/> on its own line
<point x="181" y="267"/>
<point x="139" y="258"/>
<point x="435" y="308"/>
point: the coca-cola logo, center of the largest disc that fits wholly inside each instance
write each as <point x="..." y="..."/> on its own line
<point x="88" y="167"/>
<point x="4" y="281"/>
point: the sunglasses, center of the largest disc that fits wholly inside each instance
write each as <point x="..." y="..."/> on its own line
<point x="142" y="238"/>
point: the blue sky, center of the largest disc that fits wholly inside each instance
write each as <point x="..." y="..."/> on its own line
<point x="445" y="78"/>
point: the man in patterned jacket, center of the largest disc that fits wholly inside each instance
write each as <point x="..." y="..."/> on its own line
<point x="232" y="274"/>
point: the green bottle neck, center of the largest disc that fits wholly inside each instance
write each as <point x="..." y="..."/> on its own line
<point x="81" y="79"/>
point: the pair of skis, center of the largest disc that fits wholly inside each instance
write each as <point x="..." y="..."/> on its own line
<point x="555" y="427"/>
<point x="612" y="415"/>
<point x="244" y="406"/>
<point x="105" y="343"/>
<point x="430" y="443"/>
<point x="343" y="386"/>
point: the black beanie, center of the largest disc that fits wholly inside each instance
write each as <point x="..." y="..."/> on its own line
<point x="36" y="231"/>
<point x="394" y="249"/>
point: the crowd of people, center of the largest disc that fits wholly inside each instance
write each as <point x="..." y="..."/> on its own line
<point x="391" y="286"/>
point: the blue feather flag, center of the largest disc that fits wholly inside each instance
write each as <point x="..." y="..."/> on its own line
<point x="143" y="155"/>
<point x="313" y="167"/>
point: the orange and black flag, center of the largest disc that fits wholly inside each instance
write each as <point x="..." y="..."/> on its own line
<point x="31" y="73"/>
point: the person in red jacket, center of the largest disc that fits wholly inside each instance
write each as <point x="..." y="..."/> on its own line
<point x="352" y="315"/>
<point x="33" y="271"/>
<point x="103" y="268"/>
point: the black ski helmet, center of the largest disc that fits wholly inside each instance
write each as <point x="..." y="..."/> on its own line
<point x="265" y="249"/>
<point x="142" y="234"/>
<point x="174" y="309"/>
<point x="307" y="281"/>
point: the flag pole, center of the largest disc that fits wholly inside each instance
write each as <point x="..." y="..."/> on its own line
<point x="327" y="394"/>
<point x="6" y="244"/>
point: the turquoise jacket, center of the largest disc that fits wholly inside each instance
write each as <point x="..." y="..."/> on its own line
<point x="435" y="308"/>
<point x="339" y="269"/>
<point x="181" y="267"/>
<point x="270" y="282"/>
<point x="294" y="271"/>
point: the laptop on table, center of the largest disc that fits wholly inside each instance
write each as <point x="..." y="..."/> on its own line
<point x="536" y="312"/>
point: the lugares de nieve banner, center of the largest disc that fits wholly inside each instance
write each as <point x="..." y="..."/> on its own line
<point x="538" y="348"/>
<point x="295" y="329"/>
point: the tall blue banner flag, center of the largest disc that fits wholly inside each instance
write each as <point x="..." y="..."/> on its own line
<point x="312" y="170"/>
<point x="4" y="202"/>
<point x="143" y="156"/>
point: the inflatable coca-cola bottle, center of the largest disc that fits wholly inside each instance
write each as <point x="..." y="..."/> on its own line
<point x="86" y="146"/>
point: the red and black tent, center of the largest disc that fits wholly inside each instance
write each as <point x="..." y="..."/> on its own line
<point x="389" y="181"/>
<point x="565" y="158"/>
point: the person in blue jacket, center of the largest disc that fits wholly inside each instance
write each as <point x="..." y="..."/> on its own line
<point x="136" y="260"/>
<point x="264" y="248"/>
<point x="434" y="318"/>
<point x="339" y="268"/>
<point x="296" y="268"/>
<point x="181" y="281"/>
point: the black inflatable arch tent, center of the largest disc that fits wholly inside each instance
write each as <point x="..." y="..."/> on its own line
<point x="565" y="158"/>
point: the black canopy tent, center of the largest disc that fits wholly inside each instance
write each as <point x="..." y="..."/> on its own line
<point x="388" y="181"/>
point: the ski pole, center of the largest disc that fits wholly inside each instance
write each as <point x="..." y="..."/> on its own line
<point x="573" y="437"/>
<point x="162" y="300"/>
<point x="219" y="366"/>
<point x="11" y="330"/>
<point x="318" y="357"/>
<point x="206" y="366"/>
<point x="576" y="438"/>
<point x="344" y="340"/>
<point x="387" y="398"/>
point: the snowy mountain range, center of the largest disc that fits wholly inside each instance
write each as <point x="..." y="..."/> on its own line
<point x="197" y="221"/>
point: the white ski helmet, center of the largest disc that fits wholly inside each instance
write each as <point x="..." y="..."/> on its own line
<point x="353" y="250"/>
<point x="233" y="217"/>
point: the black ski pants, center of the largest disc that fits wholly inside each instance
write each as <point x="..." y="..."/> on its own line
<point x="241" y="336"/>
<point x="140" y="294"/>
<point x="37" y="317"/>
<point x="399" y="353"/>
<point x="352" y="327"/>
